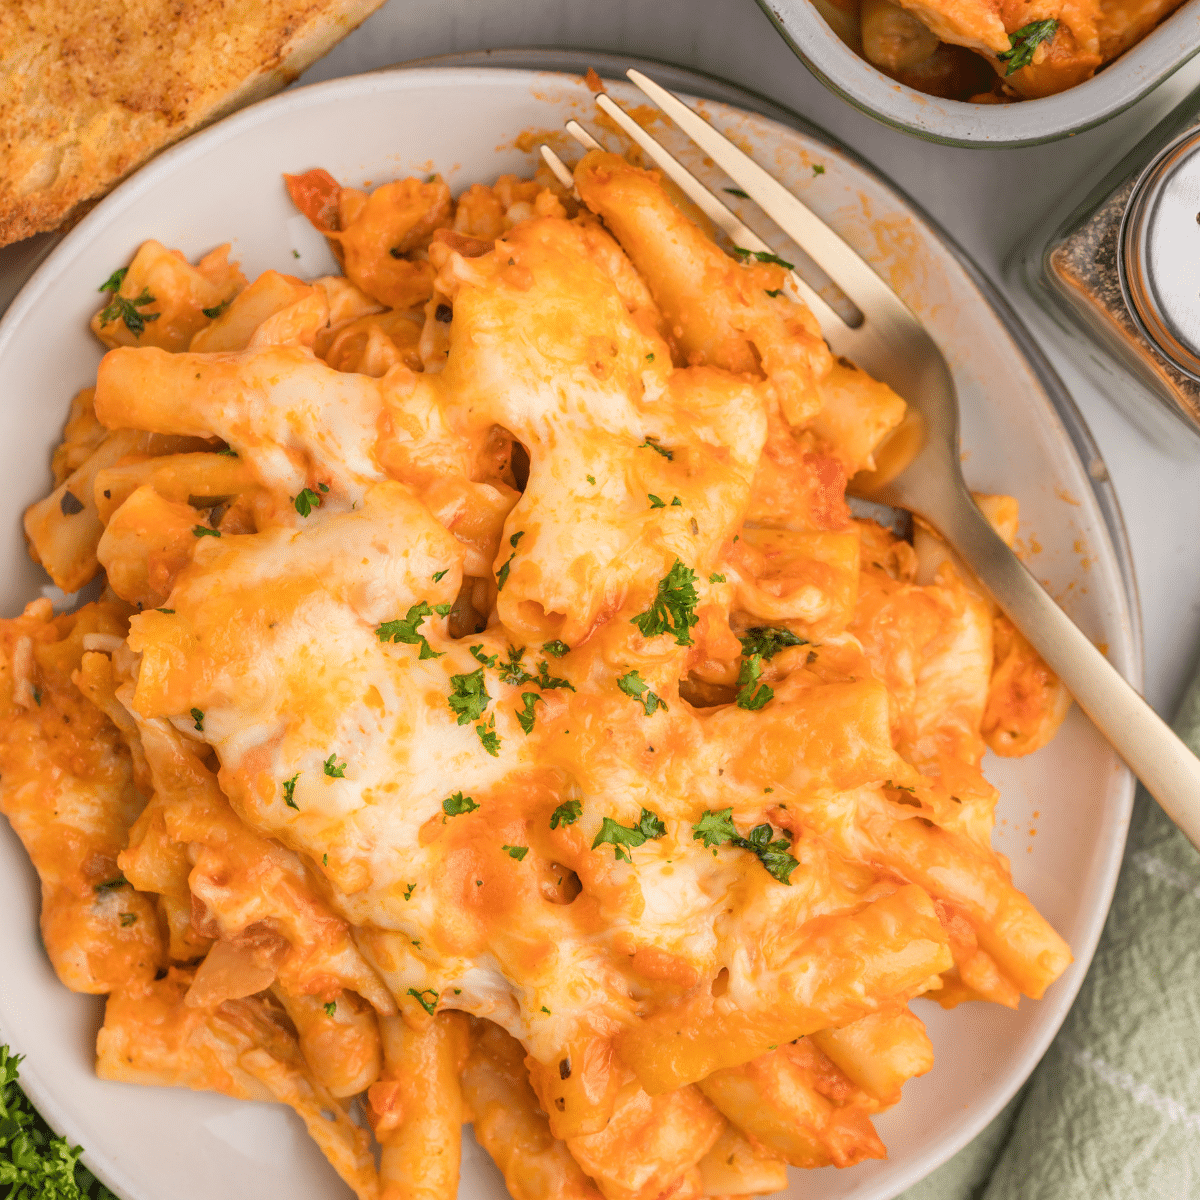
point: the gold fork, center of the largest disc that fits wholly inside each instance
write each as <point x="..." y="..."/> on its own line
<point x="920" y="469"/>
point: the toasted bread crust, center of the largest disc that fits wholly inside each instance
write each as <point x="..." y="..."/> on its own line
<point x="90" y="89"/>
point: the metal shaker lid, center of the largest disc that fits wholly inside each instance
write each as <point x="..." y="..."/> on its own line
<point x="1159" y="258"/>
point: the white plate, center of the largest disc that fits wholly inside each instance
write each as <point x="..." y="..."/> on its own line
<point x="224" y="184"/>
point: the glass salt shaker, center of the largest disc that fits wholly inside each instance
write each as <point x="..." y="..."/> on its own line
<point x="1120" y="276"/>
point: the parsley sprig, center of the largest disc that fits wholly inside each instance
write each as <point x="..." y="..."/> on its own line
<point x="34" y="1164"/>
<point x="430" y="1006"/>
<point x="289" y="792"/>
<point x="335" y="769"/>
<point x="307" y="501"/>
<point x="406" y="630"/>
<point x="488" y="737"/>
<point x="673" y="609"/>
<point x="622" y="838"/>
<point x="457" y="805"/>
<point x="124" y="309"/>
<point x="651" y="443"/>
<point x="635" y="686"/>
<point x="752" y="694"/>
<point x="1025" y="41"/>
<point x="567" y="813"/>
<point x="767" y="641"/>
<point x="525" y="719"/>
<point x="764" y="256"/>
<point x="468" y="696"/>
<point x="512" y="672"/>
<point x="548" y="682"/>
<point x="502" y="574"/>
<point x="716" y="828"/>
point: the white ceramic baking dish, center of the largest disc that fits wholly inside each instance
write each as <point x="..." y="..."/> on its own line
<point x="1124" y="81"/>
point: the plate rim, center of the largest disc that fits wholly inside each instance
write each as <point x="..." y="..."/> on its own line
<point x="1061" y="408"/>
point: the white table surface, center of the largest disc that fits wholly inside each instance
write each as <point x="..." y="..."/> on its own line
<point x="987" y="199"/>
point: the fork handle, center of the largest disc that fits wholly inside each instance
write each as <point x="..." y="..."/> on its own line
<point x="1164" y="764"/>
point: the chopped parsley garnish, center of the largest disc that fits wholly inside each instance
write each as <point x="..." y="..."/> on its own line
<point x="289" y="792"/>
<point x="556" y="648"/>
<point x="468" y="697"/>
<point x="635" y="686"/>
<point x="516" y="537"/>
<point x="818" y="169"/>
<point x="457" y="805"/>
<point x="124" y="309"/>
<point x="717" y="829"/>
<point x="767" y="641"/>
<point x="590" y="478"/>
<point x="548" y="682"/>
<point x="567" y="813"/>
<point x="716" y="578"/>
<point x="502" y="574"/>
<point x="489" y="737"/>
<point x="204" y="531"/>
<point x="37" y="696"/>
<point x="488" y="660"/>
<point x="408" y="891"/>
<point x="773" y="292"/>
<point x="307" y="501"/>
<point x="198" y="720"/>
<point x="624" y="837"/>
<point x="1025" y="41"/>
<point x="676" y="502"/>
<point x="217" y="309"/>
<point x="736" y="192"/>
<point x="752" y="694"/>
<point x="330" y="1008"/>
<point x="525" y="719"/>
<point x="438" y="576"/>
<point x="517" y="852"/>
<point x="428" y="1005"/>
<point x="764" y="256"/>
<point x="650" y="357"/>
<point x="405" y="630"/>
<point x="655" y="501"/>
<point x="673" y="609"/>
<point x="651" y="443"/>
<point x="228" y="452"/>
<point x="128" y="919"/>
<point x="512" y="672"/>
<point x="442" y="610"/>
<point x="334" y="769"/>
<point x="169" y="611"/>
<point x="111" y="885"/>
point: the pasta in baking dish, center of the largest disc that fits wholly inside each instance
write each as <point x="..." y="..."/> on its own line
<point x="494" y="713"/>
<point x="992" y="52"/>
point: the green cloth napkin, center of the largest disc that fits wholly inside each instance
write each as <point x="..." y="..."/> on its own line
<point x="1113" y="1110"/>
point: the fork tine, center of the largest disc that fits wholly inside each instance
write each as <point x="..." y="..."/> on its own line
<point x="839" y="260"/>
<point x="560" y="169"/>
<point x="582" y="136"/>
<point x="725" y="220"/>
